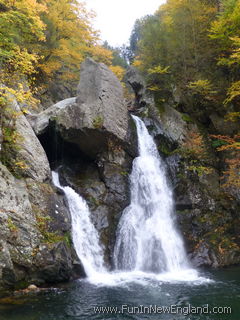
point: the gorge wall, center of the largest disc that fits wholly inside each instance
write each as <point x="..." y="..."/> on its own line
<point x="90" y="139"/>
<point x="207" y="213"/>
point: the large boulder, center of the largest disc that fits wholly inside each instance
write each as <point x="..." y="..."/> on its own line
<point x="98" y="114"/>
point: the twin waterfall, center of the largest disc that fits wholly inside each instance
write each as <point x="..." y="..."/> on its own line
<point x="147" y="240"/>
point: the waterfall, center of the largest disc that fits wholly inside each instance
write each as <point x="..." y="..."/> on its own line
<point x="147" y="239"/>
<point x="148" y="245"/>
<point x="84" y="235"/>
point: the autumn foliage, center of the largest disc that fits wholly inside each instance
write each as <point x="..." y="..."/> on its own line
<point x="231" y="147"/>
<point x="44" y="41"/>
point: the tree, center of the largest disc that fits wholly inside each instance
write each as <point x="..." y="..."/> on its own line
<point x="69" y="39"/>
<point x="225" y="32"/>
<point x="45" y="40"/>
<point x="21" y="29"/>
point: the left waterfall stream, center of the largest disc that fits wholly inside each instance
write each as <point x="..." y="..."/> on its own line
<point x="84" y="234"/>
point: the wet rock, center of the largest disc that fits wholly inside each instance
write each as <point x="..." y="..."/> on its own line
<point x="204" y="257"/>
<point x="105" y="188"/>
<point x="207" y="220"/>
<point x="143" y="97"/>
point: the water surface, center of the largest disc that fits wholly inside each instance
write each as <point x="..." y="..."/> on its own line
<point x="78" y="299"/>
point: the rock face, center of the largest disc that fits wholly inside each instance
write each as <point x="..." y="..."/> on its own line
<point x="35" y="224"/>
<point x="27" y="150"/>
<point x="208" y="218"/>
<point x="35" y="245"/>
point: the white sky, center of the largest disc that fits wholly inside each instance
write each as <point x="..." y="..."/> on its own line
<point x="115" y="18"/>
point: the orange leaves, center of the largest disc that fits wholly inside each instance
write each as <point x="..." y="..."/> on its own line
<point x="194" y="146"/>
<point x="232" y="145"/>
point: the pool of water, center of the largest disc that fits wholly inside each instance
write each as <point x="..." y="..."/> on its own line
<point x="141" y="299"/>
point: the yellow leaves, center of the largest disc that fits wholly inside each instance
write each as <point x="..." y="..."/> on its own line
<point x="203" y="87"/>
<point x="200" y="170"/>
<point x="10" y="136"/>
<point x="50" y="67"/>
<point x="20" y="165"/>
<point x="35" y="9"/>
<point x="195" y="146"/>
<point x="158" y="70"/>
<point x="234" y="57"/>
<point x="233" y="92"/>
<point x="70" y="38"/>
<point x="119" y="72"/>
<point x="168" y="21"/>
<point x="230" y="143"/>
<point x="232" y="116"/>
<point x="20" y="94"/>
<point x="101" y="54"/>
<point x="233" y="173"/>
<point x="138" y="63"/>
<point x="153" y="88"/>
<point x="22" y="61"/>
<point x="32" y="11"/>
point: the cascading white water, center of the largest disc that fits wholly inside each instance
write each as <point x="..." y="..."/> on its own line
<point x="84" y="234"/>
<point x="147" y="239"/>
<point x="148" y="246"/>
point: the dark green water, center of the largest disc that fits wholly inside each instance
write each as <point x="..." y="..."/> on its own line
<point x="78" y="299"/>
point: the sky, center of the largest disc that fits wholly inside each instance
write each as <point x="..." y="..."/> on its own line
<point x="115" y="18"/>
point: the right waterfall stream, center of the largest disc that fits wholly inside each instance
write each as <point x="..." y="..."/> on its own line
<point x="147" y="238"/>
